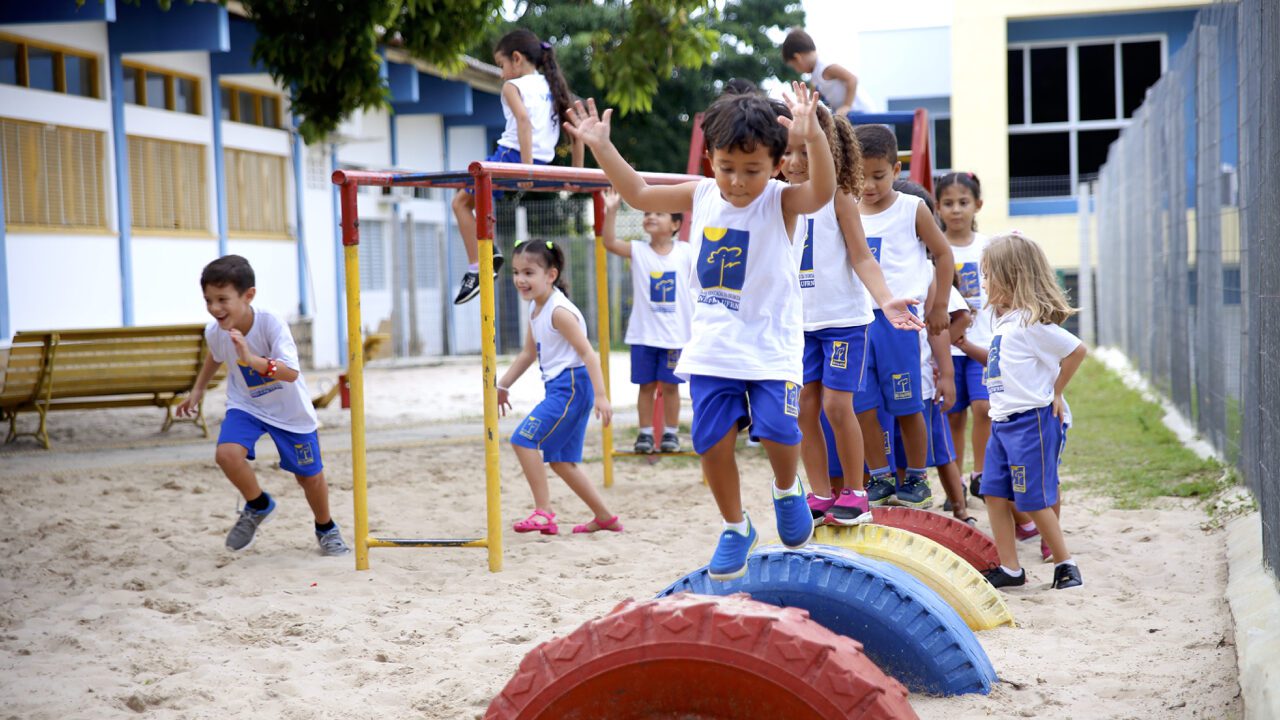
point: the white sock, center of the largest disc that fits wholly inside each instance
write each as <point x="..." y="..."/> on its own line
<point x="1068" y="561"/>
<point x="647" y="431"/>
<point x="473" y="267"/>
<point x="821" y="497"/>
<point x="779" y="493"/>
<point x="742" y="528"/>
<point x="1012" y="573"/>
<point x="860" y="493"/>
<point x="1028" y="527"/>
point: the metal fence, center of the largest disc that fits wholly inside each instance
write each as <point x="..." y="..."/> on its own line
<point x="1188" y="280"/>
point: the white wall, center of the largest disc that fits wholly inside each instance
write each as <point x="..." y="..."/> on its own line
<point x="466" y="145"/>
<point x="420" y="140"/>
<point x="906" y="63"/>
<point x="166" y="279"/>
<point x="322" y="242"/>
<point x="63" y="281"/>
<point x="371" y="147"/>
<point x="275" y="264"/>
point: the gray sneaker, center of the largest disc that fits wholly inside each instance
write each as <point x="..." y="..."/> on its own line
<point x="670" y="443"/>
<point x="246" y="527"/>
<point x="331" y="543"/>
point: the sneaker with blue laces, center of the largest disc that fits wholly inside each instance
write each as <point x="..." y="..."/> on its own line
<point x="730" y="558"/>
<point x="246" y="528"/>
<point x="880" y="491"/>
<point x="795" y="521"/>
<point x="914" y="492"/>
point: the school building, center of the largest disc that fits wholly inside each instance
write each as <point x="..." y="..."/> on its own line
<point x="1029" y="96"/>
<point x="138" y="144"/>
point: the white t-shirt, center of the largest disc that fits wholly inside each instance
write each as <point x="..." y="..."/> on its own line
<point x="748" y="320"/>
<point x="891" y="235"/>
<point x="555" y="354"/>
<point x="1024" y="363"/>
<point x="928" y="388"/>
<point x="833" y="294"/>
<point x="536" y="94"/>
<point x="969" y="271"/>
<point x="286" y="405"/>
<point x="834" y="91"/>
<point x="661" y="301"/>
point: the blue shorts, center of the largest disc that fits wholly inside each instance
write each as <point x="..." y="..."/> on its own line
<point x="1022" y="459"/>
<point x="299" y="452"/>
<point x="770" y="407"/>
<point x="940" y="450"/>
<point x="834" y="468"/>
<point x="504" y="154"/>
<point x="558" y="425"/>
<point x="971" y="382"/>
<point x="893" y="370"/>
<point x="837" y="357"/>
<point x="654" y="364"/>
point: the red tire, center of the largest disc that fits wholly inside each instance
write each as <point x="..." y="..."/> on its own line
<point x="976" y="547"/>
<point x="701" y="658"/>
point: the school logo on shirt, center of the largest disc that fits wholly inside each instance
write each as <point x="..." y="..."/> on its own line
<point x="673" y="359"/>
<point x="992" y="375"/>
<point x="902" y="386"/>
<point x="874" y="244"/>
<point x="1019" y="473"/>
<point x="662" y="291"/>
<point x="302" y="454"/>
<point x="791" y="400"/>
<point x="258" y="385"/>
<point x="529" y="428"/>
<point x="807" y="279"/>
<point x="970" y="282"/>
<point x="840" y="355"/>
<point x="722" y="266"/>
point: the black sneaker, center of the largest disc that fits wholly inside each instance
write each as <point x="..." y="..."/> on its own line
<point x="880" y="491"/>
<point x="670" y="442"/>
<point x="469" y="288"/>
<point x="644" y="444"/>
<point x="1066" y="576"/>
<point x="975" y="483"/>
<point x="999" y="578"/>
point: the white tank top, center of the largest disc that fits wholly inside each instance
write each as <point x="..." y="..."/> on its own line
<point x="555" y="354"/>
<point x="536" y="94"/>
<point x="661" y="301"/>
<point x="891" y="234"/>
<point x="832" y="92"/>
<point x="969" y="273"/>
<point x="833" y="294"/>
<point x="747" y="321"/>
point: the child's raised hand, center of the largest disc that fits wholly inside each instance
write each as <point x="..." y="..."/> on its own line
<point x="504" y="401"/>
<point x="604" y="410"/>
<point x="242" y="345"/>
<point x="588" y="125"/>
<point x="898" y="312"/>
<point x="612" y="201"/>
<point x="804" y="110"/>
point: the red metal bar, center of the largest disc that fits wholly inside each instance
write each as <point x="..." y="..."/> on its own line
<point x="921" y="162"/>
<point x="484" y="203"/>
<point x="350" y="215"/>
<point x="539" y="178"/>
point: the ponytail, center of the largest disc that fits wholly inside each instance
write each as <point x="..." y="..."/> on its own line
<point x="543" y="57"/>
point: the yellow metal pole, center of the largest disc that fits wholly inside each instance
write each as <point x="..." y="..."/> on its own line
<point x="489" y="362"/>
<point x="355" y="372"/>
<point x="602" y="329"/>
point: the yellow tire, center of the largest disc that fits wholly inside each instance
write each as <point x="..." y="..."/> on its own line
<point x="946" y="573"/>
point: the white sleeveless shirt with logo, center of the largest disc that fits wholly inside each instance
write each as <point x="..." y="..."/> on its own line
<point x="661" y="301"/>
<point x="747" y="320"/>
<point x="536" y="95"/>
<point x="891" y="234"/>
<point x="969" y="272"/>
<point x="833" y="296"/>
<point x="555" y="354"/>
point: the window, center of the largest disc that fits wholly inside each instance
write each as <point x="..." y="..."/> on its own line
<point x="161" y="89"/>
<point x="256" y="193"/>
<point x="426" y="254"/>
<point x="167" y="184"/>
<point x="1068" y="102"/>
<point x="373" y="255"/>
<point x="250" y="106"/>
<point x="41" y="66"/>
<point x="53" y="175"/>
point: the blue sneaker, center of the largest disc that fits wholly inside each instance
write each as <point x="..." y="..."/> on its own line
<point x="914" y="492"/>
<point x="880" y="491"/>
<point x="795" y="521"/>
<point x="730" y="558"/>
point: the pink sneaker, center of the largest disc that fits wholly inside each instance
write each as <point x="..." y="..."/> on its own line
<point x="818" y="507"/>
<point x="849" y="508"/>
<point x="1045" y="552"/>
<point x="1025" y="535"/>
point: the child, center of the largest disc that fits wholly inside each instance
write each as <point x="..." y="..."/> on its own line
<point x="534" y="98"/>
<point x="661" y="310"/>
<point x="1030" y="363"/>
<point x="959" y="199"/>
<point x="837" y="85"/>
<point x="836" y="273"/>
<point x="895" y="224"/>
<point x="266" y="395"/>
<point x="553" y="432"/>
<point x="748" y="340"/>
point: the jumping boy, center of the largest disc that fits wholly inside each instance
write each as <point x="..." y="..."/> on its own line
<point x="836" y="83"/>
<point x="265" y="394"/>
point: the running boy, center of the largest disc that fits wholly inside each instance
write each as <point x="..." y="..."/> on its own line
<point x="661" y="310"/>
<point x="265" y="394"/>
<point x="896" y="224"/>
<point x="748" y="337"/>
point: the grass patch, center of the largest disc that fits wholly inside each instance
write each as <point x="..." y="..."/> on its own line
<point x="1120" y="446"/>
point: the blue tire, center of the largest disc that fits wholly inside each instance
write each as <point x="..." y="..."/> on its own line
<point x="904" y="627"/>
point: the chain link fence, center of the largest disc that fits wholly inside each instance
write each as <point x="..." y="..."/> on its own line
<point x="1188" y="280"/>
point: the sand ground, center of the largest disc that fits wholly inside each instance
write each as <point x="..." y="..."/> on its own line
<point x="118" y="599"/>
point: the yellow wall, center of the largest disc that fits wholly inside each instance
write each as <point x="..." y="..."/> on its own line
<point x="979" y="107"/>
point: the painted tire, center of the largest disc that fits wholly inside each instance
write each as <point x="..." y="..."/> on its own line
<point x="976" y="547"/>
<point x="956" y="581"/>
<point x="704" y="658"/>
<point x="903" y="626"/>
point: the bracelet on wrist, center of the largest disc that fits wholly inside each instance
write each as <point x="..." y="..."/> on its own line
<point x="271" y="368"/>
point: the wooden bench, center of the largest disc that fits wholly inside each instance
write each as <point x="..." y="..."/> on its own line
<point x="110" y="367"/>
